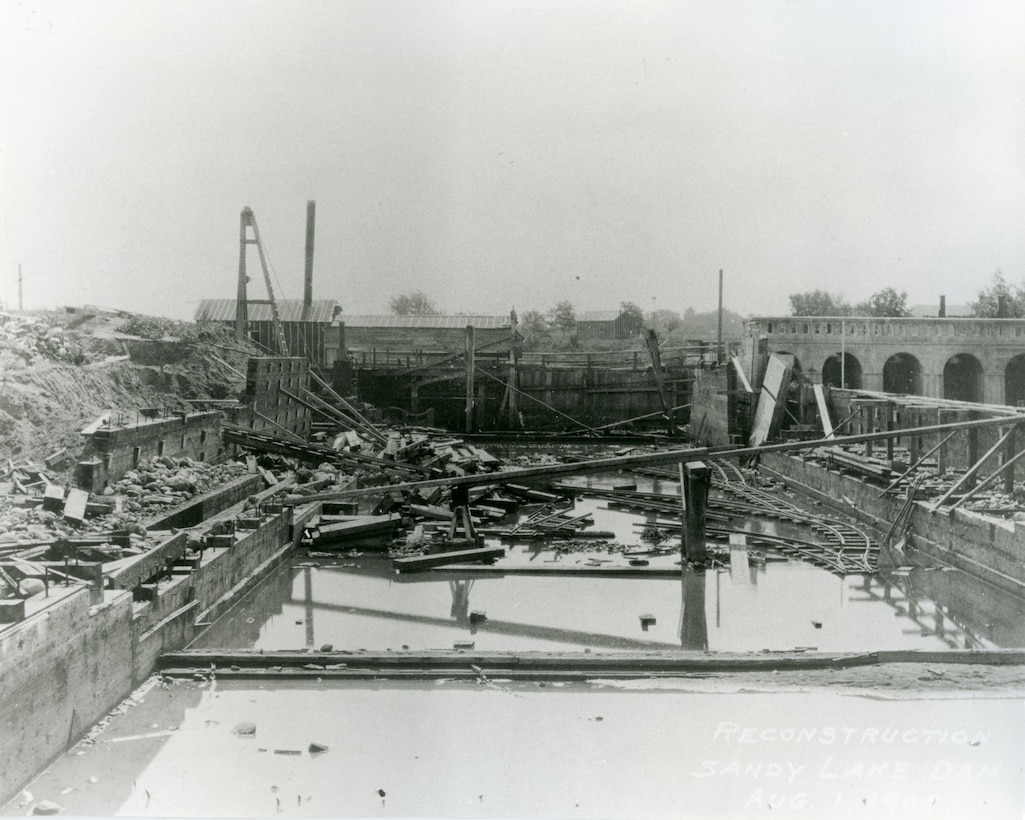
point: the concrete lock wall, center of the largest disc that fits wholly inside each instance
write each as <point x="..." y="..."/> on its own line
<point x="987" y="549"/>
<point x="274" y="385"/>
<point x="63" y="668"/>
<point x="113" y="450"/>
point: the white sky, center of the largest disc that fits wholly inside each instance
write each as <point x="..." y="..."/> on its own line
<point x="512" y="154"/>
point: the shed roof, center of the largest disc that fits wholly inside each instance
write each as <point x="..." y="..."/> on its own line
<point x="289" y="310"/>
<point x="424" y="322"/>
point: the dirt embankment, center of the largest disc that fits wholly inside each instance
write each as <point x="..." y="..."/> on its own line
<point x="60" y="370"/>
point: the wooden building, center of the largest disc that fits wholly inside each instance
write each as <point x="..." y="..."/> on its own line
<point x="311" y="330"/>
<point x="606" y="324"/>
<point x="382" y="338"/>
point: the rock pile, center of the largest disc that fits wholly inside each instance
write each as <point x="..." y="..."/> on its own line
<point x="32" y="338"/>
<point x="164" y="482"/>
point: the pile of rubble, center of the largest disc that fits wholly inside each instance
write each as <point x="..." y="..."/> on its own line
<point x="165" y="482"/>
<point x="31" y="338"/>
<point x="34" y="510"/>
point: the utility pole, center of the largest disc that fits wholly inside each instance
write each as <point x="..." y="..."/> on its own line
<point x="718" y="337"/>
<point x="469" y="353"/>
<point x="21" y="305"/>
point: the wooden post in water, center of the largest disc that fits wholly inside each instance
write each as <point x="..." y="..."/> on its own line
<point x="469" y="377"/>
<point x="941" y="455"/>
<point x="656" y="369"/>
<point x="973" y="449"/>
<point x="308" y="601"/>
<point x="697" y="477"/>
<point x="1010" y="451"/>
<point x="889" y="410"/>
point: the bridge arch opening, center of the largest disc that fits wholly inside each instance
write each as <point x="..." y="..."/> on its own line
<point x="847" y="371"/>
<point x="1014" y="381"/>
<point x="962" y="378"/>
<point x="902" y="374"/>
<point x="796" y="368"/>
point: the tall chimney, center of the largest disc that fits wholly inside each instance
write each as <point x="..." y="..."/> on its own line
<point x="311" y="218"/>
<point x="943" y="306"/>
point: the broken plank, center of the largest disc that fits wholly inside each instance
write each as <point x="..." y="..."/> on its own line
<point x="419" y="563"/>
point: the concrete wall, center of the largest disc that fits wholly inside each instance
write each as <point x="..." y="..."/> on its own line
<point x="269" y="380"/>
<point x="993" y="551"/>
<point x="66" y="666"/>
<point x="63" y="669"/>
<point x="712" y="416"/>
<point x="116" y="448"/>
<point x="208" y="504"/>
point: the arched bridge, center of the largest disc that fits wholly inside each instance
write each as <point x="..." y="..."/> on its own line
<point x="980" y="360"/>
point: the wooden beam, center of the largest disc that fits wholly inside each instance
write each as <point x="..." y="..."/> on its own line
<point x="645" y="459"/>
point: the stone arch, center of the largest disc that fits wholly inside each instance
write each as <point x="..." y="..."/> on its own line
<point x="962" y="378"/>
<point x="850" y="373"/>
<point x="797" y="362"/>
<point x="1014" y="381"/>
<point x="902" y="374"/>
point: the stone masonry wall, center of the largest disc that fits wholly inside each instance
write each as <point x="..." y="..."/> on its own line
<point x="991" y="550"/>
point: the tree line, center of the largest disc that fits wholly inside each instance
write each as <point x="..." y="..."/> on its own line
<point x="1001" y="300"/>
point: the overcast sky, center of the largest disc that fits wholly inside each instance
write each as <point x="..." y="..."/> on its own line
<point x="503" y="155"/>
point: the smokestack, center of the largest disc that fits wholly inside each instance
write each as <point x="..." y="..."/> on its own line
<point x="311" y="218"/>
<point x="943" y="306"/>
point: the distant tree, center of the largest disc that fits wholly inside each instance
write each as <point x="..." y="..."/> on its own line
<point x="885" y="302"/>
<point x="633" y="318"/>
<point x="706" y="325"/>
<point x="564" y="318"/>
<point x="664" y="320"/>
<point x="415" y="303"/>
<point x="537" y="333"/>
<point x="1000" y="300"/>
<point x="818" y="303"/>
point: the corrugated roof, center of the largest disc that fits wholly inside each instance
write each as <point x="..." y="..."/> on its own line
<point x="289" y="310"/>
<point x="599" y="316"/>
<point x="423" y="322"/>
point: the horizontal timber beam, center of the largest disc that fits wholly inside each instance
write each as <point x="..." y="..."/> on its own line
<point x="644" y="459"/>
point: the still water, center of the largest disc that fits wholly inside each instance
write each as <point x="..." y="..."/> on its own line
<point x="777" y="605"/>
<point x="624" y="750"/>
<point x="356" y="601"/>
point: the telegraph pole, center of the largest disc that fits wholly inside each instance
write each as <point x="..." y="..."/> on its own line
<point x="718" y="338"/>
<point x="21" y="306"/>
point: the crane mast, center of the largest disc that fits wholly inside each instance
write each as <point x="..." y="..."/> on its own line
<point x="247" y="225"/>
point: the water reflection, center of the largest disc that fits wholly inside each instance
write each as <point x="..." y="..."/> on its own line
<point x="778" y="604"/>
<point x="693" y="624"/>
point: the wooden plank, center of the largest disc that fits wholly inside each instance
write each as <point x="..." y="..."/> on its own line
<point x="419" y="563"/>
<point x="74" y="506"/>
<point x="771" y="401"/>
<point x="358" y="527"/>
<point x="820" y="402"/>
<point x="742" y="375"/>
